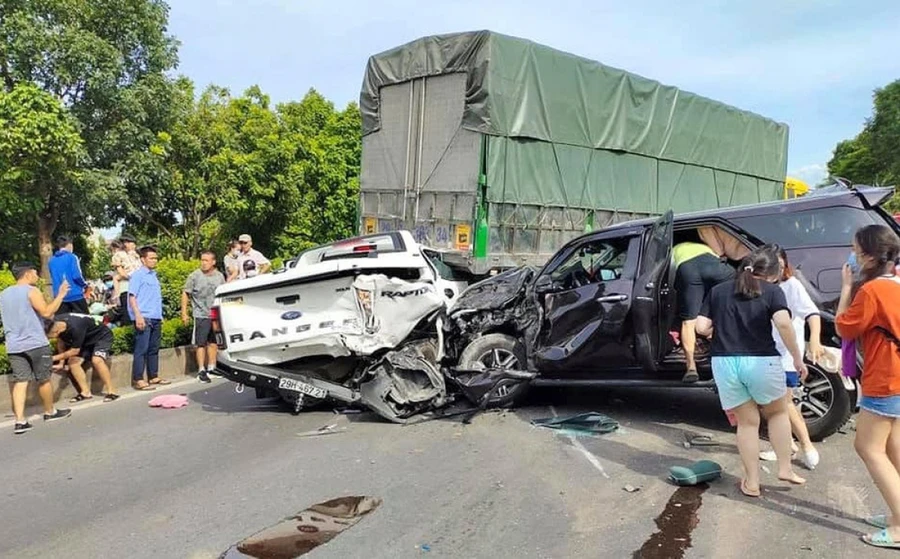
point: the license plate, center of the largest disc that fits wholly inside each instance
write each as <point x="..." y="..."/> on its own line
<point x="301" y="387"/>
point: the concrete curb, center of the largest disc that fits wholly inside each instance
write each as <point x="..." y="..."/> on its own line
<point x="174" y="364"/>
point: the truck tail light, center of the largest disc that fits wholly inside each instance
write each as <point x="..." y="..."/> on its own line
<point x="214" y="318"/>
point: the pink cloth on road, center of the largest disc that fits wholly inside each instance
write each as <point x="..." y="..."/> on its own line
<point x="169" y="401"/>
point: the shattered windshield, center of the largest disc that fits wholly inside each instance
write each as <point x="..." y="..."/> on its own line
<point x="597" y="261"/>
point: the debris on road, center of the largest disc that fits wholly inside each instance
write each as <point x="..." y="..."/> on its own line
<point x="169" y="401"/>
<point x="347" y="411"/>
<point x="308" y="529"/>
<point x="631" y="489"/>
<point x="696" y="473"/>
<point x="699" y="440"/>
<point x="591" y="423"/>
<point x="326" y="430"/>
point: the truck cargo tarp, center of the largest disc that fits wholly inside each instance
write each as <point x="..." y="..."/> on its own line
<point x="523" y="91"/>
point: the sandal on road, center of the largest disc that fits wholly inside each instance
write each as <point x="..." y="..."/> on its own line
<point x="110" y="397"/>
<point x="160" y="381"/>
<point x="748" y="491"/>
<point x="79" y="398"/>
<point x="878" y="521"/>
<point x="143" y="385"/>
<point x="881" y="539"/>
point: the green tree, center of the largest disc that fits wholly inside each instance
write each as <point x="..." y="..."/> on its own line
<point x="223" y="168"/>
<point x="40" y="156"/>
<point x="872" y="156"/>
<point x="105" y="62"/>
<point x="331" y="150"/>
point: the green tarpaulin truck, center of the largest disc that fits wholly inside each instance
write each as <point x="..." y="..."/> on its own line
<point x="499" y="150"/>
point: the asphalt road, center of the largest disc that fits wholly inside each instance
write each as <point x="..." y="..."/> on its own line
<point x="125" y="480"/>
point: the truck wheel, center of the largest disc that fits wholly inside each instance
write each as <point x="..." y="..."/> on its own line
<point x="823" y="401"/>
<point x="498" y="351"/>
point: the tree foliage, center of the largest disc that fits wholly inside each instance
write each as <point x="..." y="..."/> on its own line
<point x="40" y="156"/>
<point x="104" y="62"/>
<point x="96" y="132"/>
<point x="872" y="156"/>
<point x="229" y="165"/>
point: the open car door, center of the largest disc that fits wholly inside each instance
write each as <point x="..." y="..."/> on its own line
<point x="651" y="292"/>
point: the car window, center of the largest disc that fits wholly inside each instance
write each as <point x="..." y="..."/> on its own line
<point x="816" y="227"/>
<point x="592" y="262"/>
<point x="443" y="270"/>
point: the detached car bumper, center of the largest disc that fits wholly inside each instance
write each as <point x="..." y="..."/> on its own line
<point x="264" y="377"/>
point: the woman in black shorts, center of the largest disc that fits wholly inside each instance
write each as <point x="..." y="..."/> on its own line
<point x="697" y="270"/>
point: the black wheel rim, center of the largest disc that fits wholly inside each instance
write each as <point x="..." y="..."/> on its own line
<point x="497" y="358"/>
<point x="814" y="397"/>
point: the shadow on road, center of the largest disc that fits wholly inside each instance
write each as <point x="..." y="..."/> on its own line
<point x="221" y="397"/>
<point x="777" y="499"/>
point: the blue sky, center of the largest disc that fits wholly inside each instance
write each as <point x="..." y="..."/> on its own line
<point x="810" y="63"/>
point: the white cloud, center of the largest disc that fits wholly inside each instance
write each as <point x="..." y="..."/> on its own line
<point x="810" y="174"/>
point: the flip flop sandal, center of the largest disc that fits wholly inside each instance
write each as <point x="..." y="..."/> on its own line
<point x="110" y="397"/>
<point x="79" y="398"/>
<point x="160" y="381"/>
<point x="878" y="521"/>
<point x="690" y="377"/>
<point x="143" y="388"/>
<point x="746" y="490"/>
<point x="881" y="539"/>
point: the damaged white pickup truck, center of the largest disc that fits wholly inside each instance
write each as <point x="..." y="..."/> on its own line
<point x="358" y="321"/>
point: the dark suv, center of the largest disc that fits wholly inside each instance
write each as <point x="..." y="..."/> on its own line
<point x="602" y="310"/>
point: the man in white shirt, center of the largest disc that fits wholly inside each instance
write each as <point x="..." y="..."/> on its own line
<point x="251" y="262"/>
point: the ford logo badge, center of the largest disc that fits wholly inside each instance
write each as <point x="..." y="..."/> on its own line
<point x="291" y="315"/>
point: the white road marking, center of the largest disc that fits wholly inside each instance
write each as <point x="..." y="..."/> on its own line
<point x="580" y="447"/>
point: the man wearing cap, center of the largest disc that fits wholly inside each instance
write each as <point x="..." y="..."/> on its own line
<point x="22" y="308"/>
<point x="64" y="266"/>
<point x="251" y="262"/>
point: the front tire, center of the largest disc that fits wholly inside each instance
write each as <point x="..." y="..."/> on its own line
<point x="498" y="351"/>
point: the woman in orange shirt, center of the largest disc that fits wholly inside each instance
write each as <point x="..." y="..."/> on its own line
<point x="870" y="311"/>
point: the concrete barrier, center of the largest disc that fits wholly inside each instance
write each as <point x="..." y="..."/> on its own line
<point x="174" y="363"/>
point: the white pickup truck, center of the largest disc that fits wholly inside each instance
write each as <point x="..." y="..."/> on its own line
<point x="358" y="321"/>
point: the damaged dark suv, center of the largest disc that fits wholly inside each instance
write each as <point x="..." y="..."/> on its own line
<point x="602" y="310"/>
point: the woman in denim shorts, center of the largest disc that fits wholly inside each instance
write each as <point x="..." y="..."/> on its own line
<point x="745" y="361"/>
<point x="869" y="310"/>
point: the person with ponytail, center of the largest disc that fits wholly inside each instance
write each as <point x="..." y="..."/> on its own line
<point x="803" y="311"/>
<point x="746" y="365"/>
<point x="869" y="310"/>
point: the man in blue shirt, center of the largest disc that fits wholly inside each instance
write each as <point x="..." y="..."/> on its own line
<point x="64" y="266"/>
<point x="145" y="310"/>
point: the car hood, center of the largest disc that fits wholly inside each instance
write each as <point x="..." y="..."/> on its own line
<point x="495" y="292"/>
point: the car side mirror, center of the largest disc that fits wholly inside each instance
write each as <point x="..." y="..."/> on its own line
<point x="544" y="285"/>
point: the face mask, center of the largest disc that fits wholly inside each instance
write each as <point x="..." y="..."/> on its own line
<point x="109" y="285"/>
<point x="853" y="263"/>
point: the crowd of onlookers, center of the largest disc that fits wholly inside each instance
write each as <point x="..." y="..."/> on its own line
<point x="82" y="313"/>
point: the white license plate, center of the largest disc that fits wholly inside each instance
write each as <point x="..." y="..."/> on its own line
<point x="301" y="387"/>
